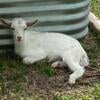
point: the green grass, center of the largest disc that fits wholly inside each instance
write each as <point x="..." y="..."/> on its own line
<point x="94" y="95"/>
<point x="63" y="97"/>
<point x="17" y="80"/>
<point x="96" y="92"/>
<point x="95" y="6"/>
<point x="45" y="68"/>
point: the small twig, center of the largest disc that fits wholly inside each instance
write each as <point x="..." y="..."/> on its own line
<point x="95" y="60"/>
<point x="93" y="38"/>
<point x="34" y="83"/>
<point x="92" y="68"/>
<point x="93" y="75"/>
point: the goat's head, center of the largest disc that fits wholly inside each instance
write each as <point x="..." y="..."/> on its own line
<point x="18" y="26"/>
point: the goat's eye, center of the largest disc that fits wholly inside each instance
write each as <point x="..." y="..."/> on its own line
<point x="25" y="28"/>
<point x="12" y="28"/>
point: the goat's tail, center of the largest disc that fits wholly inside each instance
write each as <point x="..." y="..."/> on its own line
<point x="84" y="61"/>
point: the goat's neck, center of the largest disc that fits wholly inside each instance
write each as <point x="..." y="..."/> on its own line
<point x="20" y="46"/>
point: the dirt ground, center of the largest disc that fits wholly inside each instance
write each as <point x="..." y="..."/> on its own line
<point x="47" y="87"/>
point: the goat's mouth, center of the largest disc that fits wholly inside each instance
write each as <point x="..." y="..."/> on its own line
<point x="18" y="40"/>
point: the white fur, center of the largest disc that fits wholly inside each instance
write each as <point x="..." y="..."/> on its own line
<point x="35" y="46"/>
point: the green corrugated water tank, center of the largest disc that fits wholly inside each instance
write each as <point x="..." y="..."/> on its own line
<point x="66" y="16"/>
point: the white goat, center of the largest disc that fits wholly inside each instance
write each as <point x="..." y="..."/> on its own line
<point x="33" y="46"/>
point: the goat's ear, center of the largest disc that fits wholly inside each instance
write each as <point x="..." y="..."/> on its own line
<point x="6" y="22"/>
<point x="32" y="23"/>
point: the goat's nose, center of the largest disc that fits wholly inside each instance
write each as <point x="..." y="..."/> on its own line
<point x="18" y="38"/>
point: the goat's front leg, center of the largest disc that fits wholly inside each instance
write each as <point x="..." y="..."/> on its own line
<point x="34" y="58"/>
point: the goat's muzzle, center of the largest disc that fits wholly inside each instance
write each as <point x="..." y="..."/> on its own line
<point x="19" y="38"/>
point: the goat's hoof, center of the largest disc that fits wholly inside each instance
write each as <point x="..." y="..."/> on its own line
<point x="72" y="80"/>
<point x="27" y="61"/>
<point x="57" y="64"/>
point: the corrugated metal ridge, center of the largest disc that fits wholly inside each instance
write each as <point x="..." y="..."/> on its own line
<point x="6" y="42"/>
<point x="43" y="14"/>
<point x="80" y="34"/>
<point x="42" y="8"/>
<point x="18" y="1"/>
<point x="60" y="17"/>
<point x="34" y="3"/>
<point x="10" y="1"/>
<point x="56" y="27"/>
<point x="63" y="27"/>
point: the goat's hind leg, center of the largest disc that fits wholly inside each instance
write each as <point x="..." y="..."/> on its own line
<point x="77" y="73"/>
<point x="78" y="70"/>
